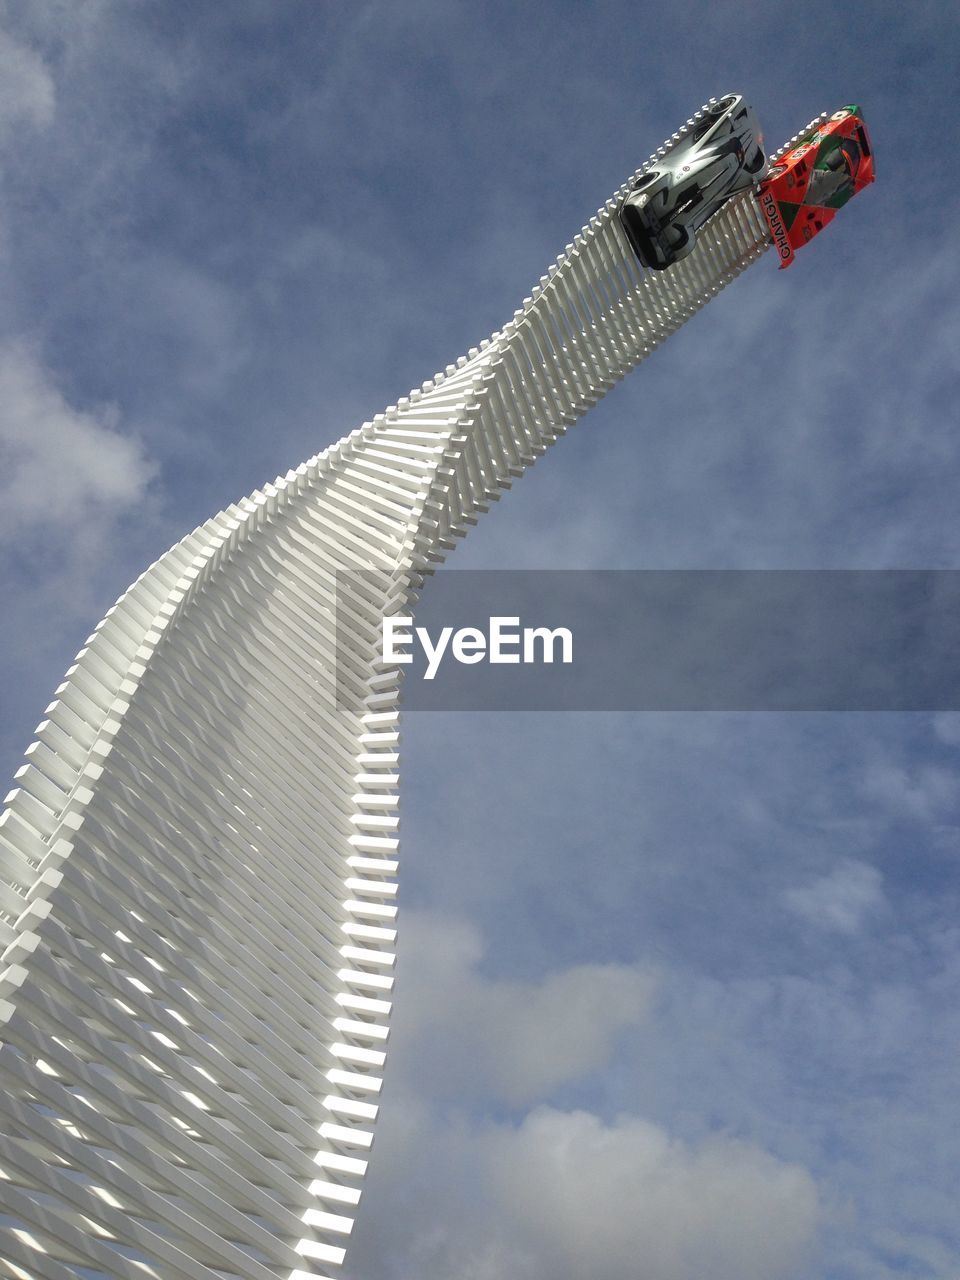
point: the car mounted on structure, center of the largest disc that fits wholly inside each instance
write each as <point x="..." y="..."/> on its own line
<point x="669" y="203"/>
<point x="816" y="177"/>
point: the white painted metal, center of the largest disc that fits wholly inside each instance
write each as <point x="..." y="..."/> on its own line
<point x="198" y="863"/>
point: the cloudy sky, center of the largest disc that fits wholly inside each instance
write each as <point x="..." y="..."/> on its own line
<point x="679" y="991"/>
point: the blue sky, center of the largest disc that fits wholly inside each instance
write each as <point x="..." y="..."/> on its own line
<point x="679" y="992"/>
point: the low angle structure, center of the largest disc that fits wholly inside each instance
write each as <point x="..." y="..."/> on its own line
<point x="200" y="853"/>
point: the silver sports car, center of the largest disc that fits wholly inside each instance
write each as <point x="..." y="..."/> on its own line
<point x="722" y="154"/>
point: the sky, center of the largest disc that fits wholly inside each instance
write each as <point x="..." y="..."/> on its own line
<point x="678" y="991"/>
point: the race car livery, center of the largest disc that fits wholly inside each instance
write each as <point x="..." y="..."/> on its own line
<point x="720" y="155"/>
<point x="816" y="177"/>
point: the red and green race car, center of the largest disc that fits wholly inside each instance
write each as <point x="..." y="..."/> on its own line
<point x="805" y="188"/>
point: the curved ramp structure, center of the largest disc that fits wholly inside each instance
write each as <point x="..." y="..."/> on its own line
<point x="199" y="858"/>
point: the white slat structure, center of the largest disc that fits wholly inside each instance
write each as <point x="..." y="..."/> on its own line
<point x="198" y="862"/>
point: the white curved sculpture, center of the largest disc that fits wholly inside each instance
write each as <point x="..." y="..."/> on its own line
<point x="199" y="860"/>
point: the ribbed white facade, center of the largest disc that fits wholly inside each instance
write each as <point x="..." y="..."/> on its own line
<point x="199" y="859"/>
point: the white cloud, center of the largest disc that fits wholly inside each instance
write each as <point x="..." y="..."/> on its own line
<point x="76" y="517"/>
<point x="918" y="792"/>
<point x="26" y="87"/>
<point x="565" y="1195"/>
<point x="627" y="1199"/>
<point x="946" y="726"/>
<point x="842" y="900"/>
<point x="518" y="1040"/>
<point x="63" y="468"/>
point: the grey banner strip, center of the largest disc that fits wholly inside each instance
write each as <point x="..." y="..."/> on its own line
<point x="688" y="640"/>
